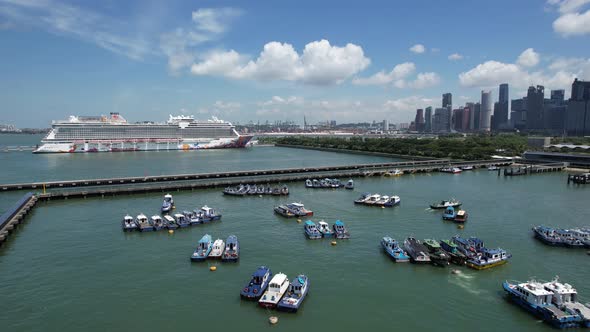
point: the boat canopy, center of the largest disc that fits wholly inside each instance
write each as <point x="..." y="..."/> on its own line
<point x="278" y="280"/>
<point x="339" y="223"/>
<point x="205" y="239"/>
<point x="300" y="280"/>
<point x="297" y="204"/>
<point x="156" y="217"/>
<point x="309" y="223"/>
<point x="168" y="196"/>
<point x="141" y="216"/>
<point x="261" y="272"/>
<point x="128" y="217"/>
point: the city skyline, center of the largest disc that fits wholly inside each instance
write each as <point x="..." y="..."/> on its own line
<point x="257" y="62"/>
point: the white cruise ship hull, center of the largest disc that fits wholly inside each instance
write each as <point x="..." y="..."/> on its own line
<point x="141" y="145"/>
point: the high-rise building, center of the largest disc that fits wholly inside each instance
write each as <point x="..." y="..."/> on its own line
<point x="428" y="119"/>
<point x="518" y="113"/>
<point x="577" y="122"/>
<point x="535" y="108"/>
<point x="419" y="120"/>
<point x="558" y="97"/>
<point x="501" y="110"/>
<point x="441" y="120"/>
<point x="476" y="116"/>
<point x="447" y="100"/>
<point x="458" y="119"/>
<point x="385" y="125"/>
<point x="471" y="107"/>
<point x="486" y="111"/>
<point x="466" y="118"/>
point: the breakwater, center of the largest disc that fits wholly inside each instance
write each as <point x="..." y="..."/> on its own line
<point x="15" y="215"/>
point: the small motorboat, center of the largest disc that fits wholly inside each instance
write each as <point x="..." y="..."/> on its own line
<point x="311" y="230"/>
<point x="128" y="224"/>
<point x="207" y="214"/>
<point x="284" y="211"/>
<point x="143" y="224"/>
<point x="453" y="170"/>
<point x="325" y="229"/>
<point x="457" y="257"/>
<point x="467" y="168"/>
<point x="387" y="201"/>
<point x="295" y="294"/>
<point x="232" y="249"/>
<point x="217" y="249"/>
<point x="340" y="231"/>
<point x="461" y="216"/>
<point x="437" y="256"/>
<point x="361" y="200"/>
<point x="393" y="250"/>
<point x="157" y="222"/>
<point x="252" y="190"/>
<point x="395" y="172"/>
<point x="445" y="204"/>
<point x="181" y="220"/>
<point x="233" y="191"/>
<point x="257" y="285"/>
<point x="169" y="222"/>
<point x="335" y="183"/>
<point x="299" y="210"/>
<point x="203" y="249"/>
<point x="316" y="183"/>
<point x="276" y="192"/>
<point x="192" y="217"/>
<point x="284" y="191"/>
<point x="168" y="203"/>
<point x="349" y="185"/>
<point x="268" y="191"/>
<point x="308" y="183"/>
<point x="449" y="213"/>
<point x="417" y="251"/>
<point x="372" y="200"/>
<point x="276" y="289"/>
<point x="260" y="190"/>
<point x="493" y="168"/>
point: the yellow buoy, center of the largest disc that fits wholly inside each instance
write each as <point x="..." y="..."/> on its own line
<point x="273" y="319"/>
<point x="298" y="220"/>
<point x="383" y="207"/>
<point x="460" y="227"/>
<point x="170" y="231"/>
<point x="213" y="268"/>
<point x="333" y="243"/>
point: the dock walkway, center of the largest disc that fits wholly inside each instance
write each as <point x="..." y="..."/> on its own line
<point x="15" y="215"/>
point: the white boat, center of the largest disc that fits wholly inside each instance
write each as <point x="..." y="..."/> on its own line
<point x="493" y="168"/>
<point x="467" y="168"/>
<point x="275" y="291"/>
<point x="395" y="172"/>
<point x="373" y="199"/>
<point x="325" y="229"/>
<point x="217" y="249"/>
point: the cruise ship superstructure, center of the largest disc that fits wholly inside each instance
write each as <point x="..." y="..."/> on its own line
<point x="114" y="134"/>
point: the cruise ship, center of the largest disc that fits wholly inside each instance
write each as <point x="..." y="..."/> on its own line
<point x="114" y="134"/>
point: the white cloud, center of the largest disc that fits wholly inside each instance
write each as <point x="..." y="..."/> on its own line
<point x="229" y="105"/>
<point x="418" y="49"/>
<point x="408" y="104"/>
<point x="490" y="73"/>
<point x="320" y="63"/>
<point x="425" y="80"/>
<point x="455" y="57"/>
<point x="398" y="72"/>
<point x="572" y="21"/>
<point x="214" y="20"/>
<point x="528" y="58"/>
<point x="277" y="100"/>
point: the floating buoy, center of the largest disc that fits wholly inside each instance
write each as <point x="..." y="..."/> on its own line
<point x="170" y="231"/>
<point x="455" y="272"/>
<point x="260" y="196"/>
<point x="383" y="207"/>
<point x="213" y="268"/>
<point x="460" y="226"/>
<point x="333" y="243"/>
<point x="273" y="319"/>
<point x="298" y="220"/>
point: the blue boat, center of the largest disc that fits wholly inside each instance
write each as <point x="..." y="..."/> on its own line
<point x="143" y="224"/>
<point x="538" y="299"/>
<point x="232" y="249"/>
<point x="128" y="224"/>
<point x="181" y="220"/>
<point x="449" y="213"/>
<point x="191" y="217"/>
<point x="207" y="214"/>
<point x="478" y="256"/>
<point x="311" y="230"/>
<point x="168" y="203"/>
<point x="325" y="229"/>
<point x="295" y="295"/>
<point x="257" y="285"/>
<point x="157" y="222"/>
<point x="169" y="222"/>
<point x="340" y="230"/>
<point x="203" y="249"/>
<point x="393" y="250"/>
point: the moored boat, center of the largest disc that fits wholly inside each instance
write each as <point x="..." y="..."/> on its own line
<point x="453" y="170"/>
<point x="203" y="249"/>
<point x="449" y="213"/>
<point x="457" y="257"/>
<point x="362" y="199"/>
<point x="340" y="231"/>
<point x="143" y="224"/>
<point x="461" y="216"/>
<point x="168" y="203"/>
<point x="128" y="224"/>
<point x="207" y="214"/>
<point x="467" y="168"/>
<point x="349" y="184"/>
<point x="217" y="249"/>
<point x="232" y="249"/>
<point x="169" y="222"/>
<point x="311" y="230"/>
<point x="325" y="229"/>
<point x="372" y="200"/>
<point x="181" y="220"/>
<point x="295" y="294"/>
<point x="284" y="211"/>
<point x="437" y="256"/>
<point x="299" y="210"/>
<point x="393" y="250"/>
<point x="445" y="204"/>
<point x="478" y="256"/>
<point x="257" y="285"/>
<point x="276" y="289"/>
<point x="493" y="168"/>
<point x="308" y="183"/>
<point x="417" y="251"/>
<point x="157" y="222"/>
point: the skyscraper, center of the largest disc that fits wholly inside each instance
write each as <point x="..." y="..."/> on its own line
<point x="419" y="120"/>
<point x="476" y="116"/>
<point x="441" y="120"/>
<point x="501" y="111"/>
<point x="458" y="119"/>
<point x="471" y="107"/>
<point x="518" y="113"/>
<point x="558" y="96"/>
<point x="447" y="100"/>
<point x="535" y="108"/>
<point x="577" y="121"/>
<point x="486" y="111"/>
<point x="466" y="118"/>
<point x="428" y="119"/>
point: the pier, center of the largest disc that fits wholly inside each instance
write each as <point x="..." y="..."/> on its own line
<point x="578" y="178"/>
<point x="533" y="169"/>
<point x="15" y="215"/>
<point x="403" y="165"/>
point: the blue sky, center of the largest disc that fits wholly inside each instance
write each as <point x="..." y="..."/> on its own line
<point x="270" y="60"/>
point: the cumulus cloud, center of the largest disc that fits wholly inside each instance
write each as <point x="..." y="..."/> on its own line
<point x="572" y="20"/>
<point x="455" y="57"/>
<point x="320" y="63"/>
<point x="418" y="49"/>
<point x="214" y="20"/>
<point x="528" y="58"/>
<point x="408" y="104"/>
<point x="277" y="100"/>
<point x="398" y="72"/>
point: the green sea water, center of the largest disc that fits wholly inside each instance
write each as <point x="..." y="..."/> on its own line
<point x="70" y="267"/>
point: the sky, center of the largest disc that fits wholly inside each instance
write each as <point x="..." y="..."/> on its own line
<point x="279" y="60"/>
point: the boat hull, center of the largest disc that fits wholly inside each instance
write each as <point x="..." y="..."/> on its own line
<point x="476" y="266"/>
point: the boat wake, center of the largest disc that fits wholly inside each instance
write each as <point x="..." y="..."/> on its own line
<point x="464" y="281"/>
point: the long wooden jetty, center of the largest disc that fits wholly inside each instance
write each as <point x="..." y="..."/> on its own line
<point x="421" y="164"/>
<point x="15" y="215"/>
<point x="533" y="169"/>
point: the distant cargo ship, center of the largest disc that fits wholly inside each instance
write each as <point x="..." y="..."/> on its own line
<point x="114" y="134"/>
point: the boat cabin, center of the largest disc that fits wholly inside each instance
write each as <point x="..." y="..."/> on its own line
<point x="278" y="282"/>
<point x="562" y="293"/>
<point x="169" y="219"/>
<point x="297" y="286"/>
<point x="534" y="293"/>
<point x="493" y="254"/>
<point x="179" y="217"/>
<point x="260" y="276"/>
<point x="141" y="218"/>
<point x="168" y="198"/>
<point x="156" y="219"/>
